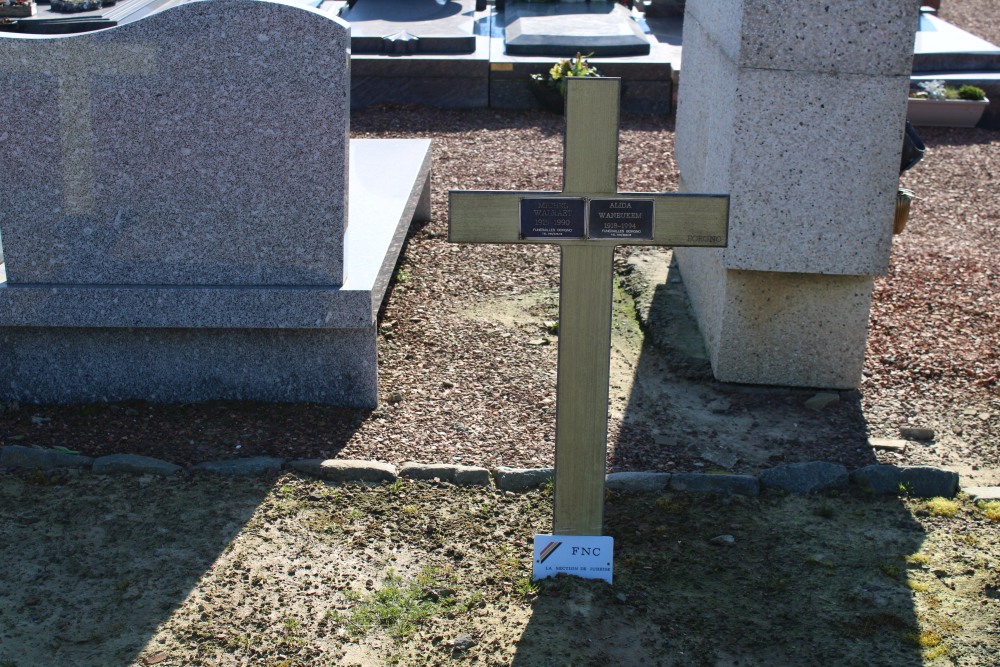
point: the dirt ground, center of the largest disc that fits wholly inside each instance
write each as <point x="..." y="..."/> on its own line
<point x="101" y="572"/>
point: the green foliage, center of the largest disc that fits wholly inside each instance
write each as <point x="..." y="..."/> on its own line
<point x="942" y="507"/>
<point x="968" y="92"/>
<point x="577" y="66"/>
<point x="399" y="606"/>
<point x="991" y="510"/>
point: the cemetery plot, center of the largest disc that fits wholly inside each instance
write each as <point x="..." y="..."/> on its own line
<point x="297" y="573"/>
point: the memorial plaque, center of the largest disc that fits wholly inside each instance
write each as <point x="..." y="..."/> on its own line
<point x="552" y="217"/>
<point x="621" y="219"/>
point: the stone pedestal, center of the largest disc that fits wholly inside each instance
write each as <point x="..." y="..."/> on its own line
<point x="798" y="113"/>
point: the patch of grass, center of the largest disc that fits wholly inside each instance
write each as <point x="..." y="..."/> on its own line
<point x="917" y="586"/>
<point x="991" y="510"/>
<point x="934" y="653"/>
<point x="400" y="606"/>
<point x="918" y="559"/>
<point x="890" y="569"/>
<point x="945" y="507"/>
<point x="924" y="639"/>
<point x="866" y="625"/>
<point x="525" y="587"/>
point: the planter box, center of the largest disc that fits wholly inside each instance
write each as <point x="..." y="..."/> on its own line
<point x="17" y="11"/>
<point x="945" y="113"/>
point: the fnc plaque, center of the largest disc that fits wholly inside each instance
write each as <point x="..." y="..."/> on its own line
<point x="621" y="219"/>
<point x="553" y="218"/>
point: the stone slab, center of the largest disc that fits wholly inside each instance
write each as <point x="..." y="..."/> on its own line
<point x="35" y="458"/>
<point x="741" y="485"/>
<point x="456" y="474"/>
<point x="522" y="479"/>
<point x="445" y="26"/>
<point x="942" y="47"/>
<point x="248" y="467"/>
<point x="916" y="481"/>
<point x="650" y="482"/>
<point x="888" y="444"/>
<point x="346" y="470"/>
<point x="167" y="163"/>
<point x="133" y="464"/>
<point x="333" y="367"/>
<point x="982" y="493"/>
<point x="604" y="29"/>
<point x="809" y="477"/>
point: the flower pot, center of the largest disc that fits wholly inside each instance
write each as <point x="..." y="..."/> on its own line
<point x="945" y="113"/>
<point x="17" y="11"/>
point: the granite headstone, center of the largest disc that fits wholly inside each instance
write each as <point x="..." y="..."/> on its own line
<point x="176" y="217"/>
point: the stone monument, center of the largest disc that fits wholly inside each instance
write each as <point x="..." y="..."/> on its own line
<point x="797" y="110"/>
<point x="185" y="218"/>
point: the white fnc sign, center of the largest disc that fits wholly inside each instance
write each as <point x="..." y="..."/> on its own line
<point x="587" y="556"/>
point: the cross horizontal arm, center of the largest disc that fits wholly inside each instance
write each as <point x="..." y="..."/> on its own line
<point x="679" y="220"/>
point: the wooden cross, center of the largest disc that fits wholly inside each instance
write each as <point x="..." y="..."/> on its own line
<point x="588" y="219"/>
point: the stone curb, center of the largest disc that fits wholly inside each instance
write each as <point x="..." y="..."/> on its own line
<point x="256" y="465"/>
<point x="981" y="493"/>
<point x="699" y="482"/>
<point x="916" y="481"/>
<point x="811" y="477"/>
<point x="133" y="464"/>
<point x="456" y="474"/>
<point x="801" y="478"/>
<point x="343" y="470"/>
<point x="521" y="479"/>
<point x="37" y="458"/>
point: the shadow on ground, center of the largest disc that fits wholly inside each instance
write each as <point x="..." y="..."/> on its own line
<point x="804" y="581"/>
<point x="676" y="405"/>
<point x="89" y="575"/>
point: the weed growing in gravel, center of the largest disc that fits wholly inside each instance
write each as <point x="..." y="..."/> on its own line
<point x="991" y="510"/>
<point x="399" y="606"/>
<point x="526" y="588"/>
<point x="945" y="507"/>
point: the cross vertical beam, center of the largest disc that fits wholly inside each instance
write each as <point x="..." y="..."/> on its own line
<point x="590" y="166"/>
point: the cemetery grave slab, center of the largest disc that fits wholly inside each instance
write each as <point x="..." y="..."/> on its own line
<point x="603" y="29"/>
<point x="181" y="232"/>
<point x="412" y="26"/>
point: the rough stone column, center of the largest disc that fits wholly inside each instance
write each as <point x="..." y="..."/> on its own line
<point x="797" y="110"/>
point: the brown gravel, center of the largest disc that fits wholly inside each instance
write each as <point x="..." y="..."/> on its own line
<point x="461" y="388"/>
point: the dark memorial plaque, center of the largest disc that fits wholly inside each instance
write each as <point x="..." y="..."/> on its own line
<point x="552" y="217"/>
<point x="621" y="219"/>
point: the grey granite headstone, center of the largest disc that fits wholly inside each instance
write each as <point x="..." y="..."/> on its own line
<point x="204" y="145"/>
<point x="176" y="222"/>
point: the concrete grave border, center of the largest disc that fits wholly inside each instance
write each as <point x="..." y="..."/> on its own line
<point x="795" y="478"/>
